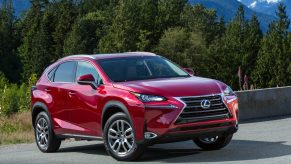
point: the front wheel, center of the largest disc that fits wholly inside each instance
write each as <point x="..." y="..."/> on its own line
<point x="213" y="143"/>
<point x="119" y="138"/>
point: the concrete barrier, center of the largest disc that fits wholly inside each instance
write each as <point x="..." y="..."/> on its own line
<point x="264" y="103"/>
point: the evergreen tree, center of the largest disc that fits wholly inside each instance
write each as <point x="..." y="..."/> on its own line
<point x="34" y="49"/>
<point x="9" y="41"/>
<point x="87" y="6"/>
<point x="148" y="27"/>
<point x="184" y="47"/>
<point x="201" y="20"/>
<point x="226" y="54"/>
<point x="85" y="34"/>
<point x="274" y="57"/>
<point x="252" y="45"/>
<point x="237" y="48"/>
<point x="173" y="44"/>
<point x="169" y="15"/>
<point x="123" y="35"/>
<point x="65" y="15"/>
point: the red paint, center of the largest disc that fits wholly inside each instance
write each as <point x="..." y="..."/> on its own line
<point x="81" y="111"/>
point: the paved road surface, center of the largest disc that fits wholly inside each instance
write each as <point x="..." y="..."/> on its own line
<point x="258" y="142"/>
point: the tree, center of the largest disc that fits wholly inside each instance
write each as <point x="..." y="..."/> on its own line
<point x="9" y="41"/>
<point x="173" y="44"/>
<point x="202" y="20"/>
<point x="183" y="47"/>
<point x="252" y="44"/>
<point x="274" y="57"/>
<point x="238" y="47"/>
<point x="226" y="53"/>
<point x="168" y="15"/>
<point x="148" y="25"/>
<point x="87" y="6"/>
<point x="36" y="43"/>
<point x="124" y="31"/>
<point x="65" y="15"/>
<point x="86" y="34"/>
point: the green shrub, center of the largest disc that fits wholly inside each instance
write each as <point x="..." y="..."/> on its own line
<point x="25" y="93"/>
<point x="9" y="100"/>
<point x="13" y="98"/>
<point x="3" y="81"/>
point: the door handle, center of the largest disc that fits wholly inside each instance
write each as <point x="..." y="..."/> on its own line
<point x="71" y="93"/>
<point x="47" y="90"/>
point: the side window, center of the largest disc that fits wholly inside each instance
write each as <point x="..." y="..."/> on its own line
<point x="87" y="68"/>
<point x="51" y="74"/>
<point x="65" y="72"/>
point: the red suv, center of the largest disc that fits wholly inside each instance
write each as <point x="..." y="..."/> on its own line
<point x="130" y="101"/>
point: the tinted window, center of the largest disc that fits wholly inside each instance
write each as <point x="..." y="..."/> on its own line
<point x="86" y="68"/>
<point x="140" y="68"/>
<point x="65" y="72"/>
<point x="51" y="74"/>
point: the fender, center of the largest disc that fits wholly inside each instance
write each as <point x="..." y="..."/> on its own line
<point x="43" y="107"/>
<point x="116" y="104"/>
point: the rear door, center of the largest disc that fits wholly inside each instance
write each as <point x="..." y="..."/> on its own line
<point x="63" y="79"/>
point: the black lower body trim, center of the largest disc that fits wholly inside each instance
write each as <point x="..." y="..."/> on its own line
<point x="81" y="137"/>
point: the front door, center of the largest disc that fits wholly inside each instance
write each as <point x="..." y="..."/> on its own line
<point x="83" y="100"/>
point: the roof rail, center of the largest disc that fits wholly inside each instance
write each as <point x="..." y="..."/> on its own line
<point x="79" y="55"/>
<point x="145" y="53"/>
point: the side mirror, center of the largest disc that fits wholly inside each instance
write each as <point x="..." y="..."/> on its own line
<point x="189" y="70"/>
<point x="87" y="79"/>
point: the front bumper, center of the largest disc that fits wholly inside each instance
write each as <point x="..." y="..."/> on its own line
<point x="216" y="130"/>
<point x="162" y="122"/>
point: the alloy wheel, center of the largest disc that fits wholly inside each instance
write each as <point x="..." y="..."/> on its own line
<point x="42" y="133"/>
<point x="209" y="140"/>
<point x="121" y="137"/>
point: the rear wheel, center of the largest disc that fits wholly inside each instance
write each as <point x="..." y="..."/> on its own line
<point x="44" y="136"/>
<point x="213" y="143"/>
<point x="119" y="138"/>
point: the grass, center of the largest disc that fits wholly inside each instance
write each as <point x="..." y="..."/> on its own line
<point x="16" y="129"/>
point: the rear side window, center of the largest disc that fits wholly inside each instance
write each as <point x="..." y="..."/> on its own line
<point x="65" y="72"/>
<point x="51" y="74"/>
<point x="87" y="68"/>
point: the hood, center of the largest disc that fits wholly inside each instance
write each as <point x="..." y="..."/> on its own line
<point x="174" y="87"/>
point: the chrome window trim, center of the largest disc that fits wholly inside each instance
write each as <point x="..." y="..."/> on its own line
<point x="75" y="60"/>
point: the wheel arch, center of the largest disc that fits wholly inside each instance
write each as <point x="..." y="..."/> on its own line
<point x="112" y="107"/>
<point x="36" y="109"/>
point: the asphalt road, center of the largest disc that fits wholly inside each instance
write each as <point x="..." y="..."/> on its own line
<point x="264" y="141"/>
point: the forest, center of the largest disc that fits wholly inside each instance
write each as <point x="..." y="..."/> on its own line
<point x="236" y="52"/>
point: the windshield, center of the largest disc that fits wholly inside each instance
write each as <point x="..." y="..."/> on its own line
<point x="140" y="68"/>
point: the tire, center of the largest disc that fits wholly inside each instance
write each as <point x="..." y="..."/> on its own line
<point x="216" y="143"/>
<point x="120" y="142"/>
<point x="45" y="138"/>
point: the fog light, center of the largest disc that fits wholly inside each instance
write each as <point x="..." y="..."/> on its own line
<point x="150" y="135"/>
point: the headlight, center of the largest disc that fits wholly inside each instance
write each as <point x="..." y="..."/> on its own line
<point x="149" y="98"/>
<point x="228" y="92"/>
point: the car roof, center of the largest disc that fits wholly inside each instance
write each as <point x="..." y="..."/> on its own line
<point x="110" y="56"/>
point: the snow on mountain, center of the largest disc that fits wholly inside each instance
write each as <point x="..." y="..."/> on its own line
<point x="228" y="9"/>
<point x="267" y="6"/>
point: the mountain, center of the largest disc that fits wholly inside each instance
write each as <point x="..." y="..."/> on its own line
<point x="228" y="9"/>
<point x="19" y="6"/>
<point x="267" y="6"/>
<point x="264" y="9"/>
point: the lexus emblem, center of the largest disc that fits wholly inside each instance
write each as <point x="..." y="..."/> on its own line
<point x="205" y="104"/>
